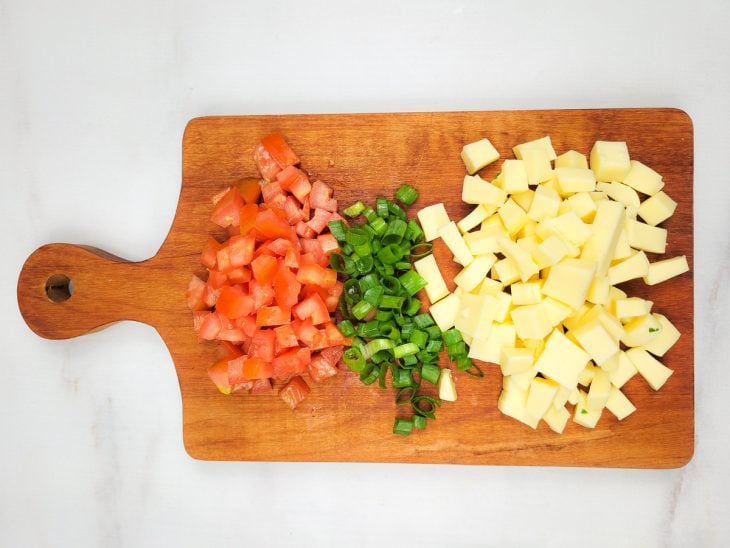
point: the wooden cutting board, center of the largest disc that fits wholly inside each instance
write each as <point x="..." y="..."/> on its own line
<point x="362" y="156"/>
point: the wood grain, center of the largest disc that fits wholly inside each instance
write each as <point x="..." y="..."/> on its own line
<point x="364" y="155"/>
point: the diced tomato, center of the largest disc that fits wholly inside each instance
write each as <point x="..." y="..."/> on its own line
<point x="267" y="316"/>
<point x="230" y="350"/>
<point x="304" y="330"/>
<point x="262" y="344"/>
<point x="239" y="275"/>
<point x="291" y="259"/>
<point x="218" y="373"/>
<point x="195" y="294"/>
<point x="247" y="218"/>
<point x="315" y="248"/>
<point x="291" y="362"/>
<point x="250" y="189"/>
<point x="333" y="297"/>
<point x="279" y="150"/>
<point x="268" y="167"/>
<point x="321" y="368"/>
<point x="328" y="242"/>
<point x="261" y="386"/>
<point x="211" y="295"/>
<point x="270" y="192"/>
<point x="210" y="251"/>
<point x="306" y="209"/>
<point x="334" y="335"/>
<point x="247" y="324"/>
<point x="264" y="269"/>
<point x="217" y="279"/>
<point x="210" y="326"/>
<point x="321" y="197"/>
<point x="269" y="225"/>
<point x="333" y="354"/>
<point x="234" y="303"/>
<point x="263" y="294"/>
<point x="231" y="335"/>
<point x="223" y="259"/>
<point x="304" y="230"/>
<point x="320" y="340"/>
<point x="294" y="392"/>
<point x="317" y="275"/>
<point x="286" y="287"/>
<point x="289" y="176"/>
<point x="320" y="219"/>
<point x="240" y="250"/>
<point x="227" y="210"/>
<point x="235" y="370"/>
<point x="285" y="336"/>
<point x="257" y="368"/>
<point x="292" y="210"/>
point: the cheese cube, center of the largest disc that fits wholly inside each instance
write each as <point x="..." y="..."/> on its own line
<point x="610" y="160"/>
<point x="624" y="371"/>
<point x="524" y="198"/>
<point x="595" y="340"/>
<point x="529" y="243"/>
<point x="599" y="391"/>
<point x="623" y="249"/>
<point x="513" y="403"/>
<point x="477" y="215"/>
<point x="506" y="271"/>
<point x="513" y="216"/>
<point x="568" y="227"/>
<point x="598" y="312"/>
<point x="531" y="321"/>
<point x="641" y="331"/>
<point x="556" y="417"/>
<point x="635" y="266"/>
<point x="653" y="371"/>
<point x="550" y="251"/>
<point x="513" y="177"/>
<point x="471" y="276"/>
<point x="543" y="143"/>
<point x="614" y="294"/>
<point x="598" y="195"/>
<point x="646" y="237"/>
<point x="545" y="203"/>
<point x="526" y="293"/>
<point x="561" y="360"/>
<point x="432" y="218"/>
<point x="556" y="311"/>
<point x="482" y="242"/>
<point x="569" y="281"/>
<point x="476" y="315"/>
<point x="573" y="396"/>
<point x="540" y="396"/>
<point x="490" y="287"/>
<point x="520" y="381"/>
<point x="643" y="178"/>
<point x="657" y="208"/>
<point x="447" y="388"/>
<point x="561" y="398"/>
<point x="444" y="312"/>
<point x="478" y="154"/>
<point x="583" y="206"/>
<point x="521" y="258"/>
<point x="476" y="190"/>
<point x="455" y="242"/>
<point x="584" y="416"/>
<point x="572" y="158"/>
<point x="428" y="269"/>
<point x="619" y="404"/>
<point x="666" y="337"/>
<point x="575" y="179"/>
<point x="516" y="360"/>
<point x="598" y="292"/>
<point x="504" y="302"/>
<point x="586" y="376"/>
<point x="490" y="349"/>
<point x="631" y="307"/>
<point x="620" y="193"/>
<point x="537" y="164"/>
<point x="661" y="271"/>
<point x="604" y="235"/>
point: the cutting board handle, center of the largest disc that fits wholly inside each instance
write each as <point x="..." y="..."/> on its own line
<point x="68" y="290"/>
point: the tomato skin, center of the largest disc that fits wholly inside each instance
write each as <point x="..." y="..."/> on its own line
<point x="333" y="354"/>
<point x="285" y="336"/>
<point x="256" y="368"/>
<point x="269" y="316"/>
<point x="264" y="269"/>
<point x="195" y="294"/>
<point x="234" y="303"/>
<point x="240" y="250"/>
<point x="239" y="275"/>
<point x="210" y="326"/>
<point x="321" y="368"/>
<point x="314" y="274"/>
<point x="279" y="150"/>
<point x="218" y="373"/>
<point x="235" y="371"/>
<point x="210" y="250"/>
<point x="270" y="226"/>
<point x="280" y="246"/>
<point x="292" y="210"/>
<point x="227" y="210"/>
<point x="312" y="307"/>
<point x="247" y="218"/>
<point x="291" y="362"/>
<point x="286" y="287"/>
<point x="272" y="193"/>
<point x="321" y="197"/>
<point x="320" y="219"/>
<point x="250" y="190"/>
<point x="294" y="392"/>
<point x="262" y="344"/>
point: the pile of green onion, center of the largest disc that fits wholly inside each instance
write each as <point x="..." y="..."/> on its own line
<point x="380" y="310"/>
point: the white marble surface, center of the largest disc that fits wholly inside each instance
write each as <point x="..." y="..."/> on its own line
<point x="93" y="100"/>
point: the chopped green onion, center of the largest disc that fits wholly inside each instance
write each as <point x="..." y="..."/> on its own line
<point x="376" y="345"/>
<point x="346" y="328"/>
<point x="433" y="332"/>
<point x="379" y="225"/>
<point x="362" y="309"/>
<point x="402" y="426"/>
<point x="368" y="329"/>
<point x="419" y="338"/>
<point x="390" y="254"/>
<point x="391" y="302"/>
<point x="405" y="395"/>
<point x="382" y="370"/>
<point x="364" y="250"/>
<point x="395" y="231"/>
<point x="402" y="378"/>
<point x="452" y="336"/>
<point x="355" y="209"/>
<point x="381" y="207"/>
<point x="464" y="363"/>
<point x="423" y="320"/>
<point x="474" y="371"/>
<point x="383" y="315"/>
<point x="409" y="361"/>
<point x="369" y="214"/>
<point x="426" y="410"/>
<point x="430" y="372"/>
<point x="457" y="350"/>
<point x="419" y="421"/>
<point x="412" y="282"/>
<point x="407" y="349"/>
<point x="412" y="306"/>
<point x="337" y="228"/>
<point x="421" y="250"/>
<point x="434" y="346"/>
<point x="406" y="194"/>
<point x="396" y="210"/>
<point x="354" y="359"/>
<point x="374" y="295"/>
<point x="414" y="231"/>
<point x="357" y="235"/>
<point x="371" y="377"/>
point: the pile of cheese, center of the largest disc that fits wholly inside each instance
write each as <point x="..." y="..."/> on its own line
<point x="538" y="291"/>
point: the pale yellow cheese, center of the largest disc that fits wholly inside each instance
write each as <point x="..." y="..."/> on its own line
<point x="561" y="360"/>
<point x="583" y="205"/>
<point x="575" y="179"/>
<point x="624" y="370"/>
<point x="620" y="193"/>
<point x="599" y="391"/>
<point x="521" y="258"/>
<point x="569" y="281"/>
<point x="475" y="217"/>
<point x="643" y="178"/>
<point x="606" y="226"/>
<point x="490" y="349"/>
<point x="657" y="208"/>
<point x="598" y="312"/>
<point x="667" y="336"/>
<point x="584" y="416"/>
<point x="561" y="398"/>
<point x="539" y="396"/>
<point x="531" y="321"/>
<point x="537" y="164"/>
<point x="513" y="403"/>
<point x="478" y="154"/>
<point x="432" y="218"/>
<point x="476" y="190"/>
<point x="476" y="315"/>
<point x="556" y="417"/>
<point x="447" y="387"/>
<point x="490" y="287"/>
<point x="520" y="381"/>
<point x="513" y="216"/>
<point x="597" y="341"/>
<point x="635" y="266"/>
<point x="435" y="285"/>
<point x="482" y="242"/>
<point x="506" y="271"/>
<point x="632" y="307"/>
<point x="550" y="251"/>
<point x="619" y="404"/>
<point x="473" y="274"/>
<point x="567" y="227"/>
<point x="556" y="311"/>
<point x="526" y="293"/>
<point x="610" y="160"/>
<point x="661" y="271"/>
<point x="516" y="360"/>
<point x="598" y="292"/>
<point x="524" y="198"/>
<point x="646" y="237"/>
<point x="641" y="331"/>
<point x="504" y="301"/>
<point x="455" y="242"/>
<point x="623" y="249"/>
<point x="653" y="371"/>
<point x="586" y="376"/>
<point x="444" y="312"/>
<point x="572" y="158"/>
<point x="545" y="203"/>
<point x="543" y="143"/>
<point x="513" y="177"/>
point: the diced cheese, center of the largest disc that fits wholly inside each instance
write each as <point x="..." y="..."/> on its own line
<point x="447" y="387"/>
<point x="569" y="281"/>
<point x="520" y="381"/>
<point x="524" y="198"/>
<point x="661" y="271"/>
<point x="473" y="274"/>
<point x="444" y="311"/>
<point x="666" y="337"/>
<point x="521" y="258"/>
<point x="583" y="206"/>
<point x="653" y="371"/>
<point x="643" y="178"/>
<point x="540" y="396"/>
<point x="545" y="203"/>
<point x="657" y="208"/>
<point x="504" y="301"/>
<point x="619" y="404"/>
<point x="595" y="340"/>
<point x="623" y="372"/>
<point x="556" y="311"/>
<point x="516" y="360"/>
<point x="631" y="308"/>
<point x="543" y="143"/>
<point x="428" y="269"/>
<point x="513" y="216"/>
<point x="513" y="177"/>
<point x="573" y="396"/>
<point x="605" y="231"/>
<point x="598" y="292"/>
<point x="478" y="154"/>
<point x="568" y="227"/>
<point x="455" y="242"/>
<point x="490" y="287"/>
<point x="477" y="320"/>
<point x="584" y="416"/>
<point x="477" y="215"/>
<point x="506" y="271"/>
<point x="610" y="160"/>
<point x="526" y="293"/>
<point x="490" y="349"/>
<point x="623" y="249"/>
<point x="561" y="398"/>
<point x="599" y="391"/>
<point x="531" y="321"/>
<point x="476" y="190"/>
<point x="635" y="266"/>
<point x="611" y="324"/>
<point x="482" y="242"/>
<point x="586" y="376"/>
<point x="572" y="158"/>
<point x="561" y="360"/>
<point x="621" y="193"/>
<point x="640" y="331"/>
<point x="537" y="164"/>
<point x="513" y="403"/>
<point x="575" y="179"/>
<point x="432" y="218"/>
<point x="646" y="237"/>
<point x="550" y="251"/>
<point x="556" y="417"/>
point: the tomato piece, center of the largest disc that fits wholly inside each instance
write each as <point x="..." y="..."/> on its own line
<point x="304" y="231"/>
<point x="292" y="210"/>
<point x="333" y="354"/>
<point x="279" y="150"/>
<point x="239" y="275"/>
<point x="217" y="279"/>
<point x="270" y="226"/>
<point x="335" y="336"/>
<point x="294" y="392"/>
<point x="315" y="274"/>
<point x="286" y="287"/>
<point x="280" y="246"/>
<point x="321" y="368"/>
<point x="263" y="294"/>
<point x="273" y="193"/>
<point x="333" y="296"/>
<point x="268" y="316"/>
<point x="260" y="386"/>
<point x="250" y="190"/>
<point x="230" y="350"/>
<point x="291" y="259"/>
<point x="234" y="335"/>
<point x="195" y="294"/>
<point x="234" y="303"/>
<point x="227" y="210"/>
<point x="320" y="219"/>
<point x="210" y="326"/>
<point x="235" y="371"/>
<point x="211" y="295"/>
<point x="291" y="362"/>
<point x="240" y="250"/>
<point x="268" y="167"/>
<point x="256" y="368"/>
<point x="329" y="243"/>
<point x="218" y="373"/>
<point x="321" y="197"/>
<point x="315" y="249"/>
<point x="285" y="336"/>
<point x="247" y="324"/>
<point x="223" y="258"/>
<point x="312" y="307"/>
<point x="247" y="218"/>
<point x="262" y="344"/>
<point x="304" y="330"/>
<point x="264" y="269"/>
<point x="210" y="250"/>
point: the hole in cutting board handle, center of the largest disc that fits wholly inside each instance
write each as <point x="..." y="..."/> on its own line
<point x="59" y="288"/>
